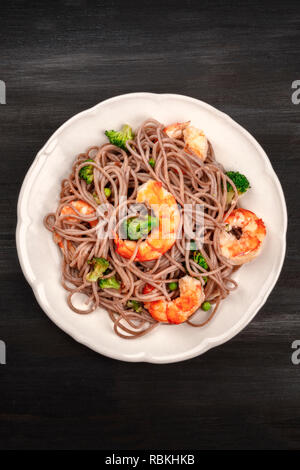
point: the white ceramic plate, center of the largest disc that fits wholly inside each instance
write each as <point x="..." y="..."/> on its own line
<point x="234" y="147"/>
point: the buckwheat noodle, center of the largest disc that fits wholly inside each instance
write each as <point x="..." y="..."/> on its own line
<point x="189" y="179"/>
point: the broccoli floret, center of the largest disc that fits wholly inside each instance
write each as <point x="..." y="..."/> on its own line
<point x="199" y="259"/>
<point x="87" y="172"/>
<point x="119" y="138"/>
<point x="100" y="266"/>
<point x="241" y="182"/>
<point x="135" y="305"/>
<point x="109" y="283"/>
<point x="139" y="227"/>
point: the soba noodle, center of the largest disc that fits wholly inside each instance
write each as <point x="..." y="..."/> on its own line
<point x="189" y="180"/>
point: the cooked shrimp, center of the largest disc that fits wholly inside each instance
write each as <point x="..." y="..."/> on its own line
<point x="83" y="208"/>
<point x="195" y="142"/>
<point x="195" y="139"/>
<point x="180" y="309"/>
<point x="242" y="238"/>
<point x="175" y="131"/>
<point x="162" y="237"/>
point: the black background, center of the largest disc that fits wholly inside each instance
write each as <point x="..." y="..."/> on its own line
<point x="60" y="58"/>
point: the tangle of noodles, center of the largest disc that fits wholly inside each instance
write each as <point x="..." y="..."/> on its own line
<point x="189" y="180"/>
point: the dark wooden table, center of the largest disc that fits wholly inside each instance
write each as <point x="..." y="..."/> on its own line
<point x="60" y="58"/>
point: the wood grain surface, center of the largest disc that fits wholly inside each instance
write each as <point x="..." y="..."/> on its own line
<point x="59" y="58"/>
